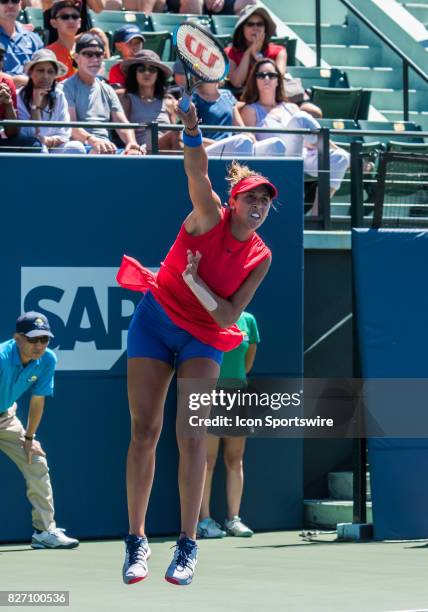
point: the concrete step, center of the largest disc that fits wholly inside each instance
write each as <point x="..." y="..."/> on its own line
<point x="340" y="485"/>
<point x="392" y="99"/>
<point x="327" y="513"/>
<point x="397" y="115"/>
<point x="350" y="55"/>
<point x="330" y="34"/>
<point x="420" y="11"/>
<point x="304" y="12"/>
<point x="384" y="78"/>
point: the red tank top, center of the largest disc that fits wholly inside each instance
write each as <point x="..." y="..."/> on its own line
<point x="225" y="264"/>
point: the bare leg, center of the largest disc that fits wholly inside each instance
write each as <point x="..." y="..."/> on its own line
<point x="144" y="6"/>
<point x="148" y="381"/>
<point x="194" y="7"/>
<point x="192" y="449"/>
<point x="213" y="443"/>
<point x="233" y="452"/>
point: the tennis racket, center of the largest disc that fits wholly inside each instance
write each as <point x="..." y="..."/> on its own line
<point x="202" y="57"/>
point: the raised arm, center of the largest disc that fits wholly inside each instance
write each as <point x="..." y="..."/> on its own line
<point x="206" y="203"/>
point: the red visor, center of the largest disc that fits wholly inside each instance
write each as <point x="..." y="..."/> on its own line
<point x="250" y="183"/>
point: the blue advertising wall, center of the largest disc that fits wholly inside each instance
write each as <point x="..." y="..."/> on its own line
<point x="65" y="227"/>
<point x="392" y="306"/>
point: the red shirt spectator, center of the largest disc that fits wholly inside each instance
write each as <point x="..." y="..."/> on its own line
<point x="7" y="81"/>
<point x="272" y="51"/>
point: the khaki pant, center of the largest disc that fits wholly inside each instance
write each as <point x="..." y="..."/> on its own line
<point x="36" y="474"/>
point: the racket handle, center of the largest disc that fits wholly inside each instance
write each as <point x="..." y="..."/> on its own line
<point x="184" y="103"/>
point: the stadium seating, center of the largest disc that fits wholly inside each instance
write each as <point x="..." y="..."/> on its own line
<point x="320" y="77"/>
<point x="337" y="103"/>
<point x="397" y="126"/>
<point x="224" y="24"/>
<point x="340" y="124"/>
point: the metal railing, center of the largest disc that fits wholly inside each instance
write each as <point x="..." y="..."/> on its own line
<point x="323" y="220"/>
<point x="406" y="61"/>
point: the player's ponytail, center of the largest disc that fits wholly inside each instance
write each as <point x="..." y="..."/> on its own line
<point x="236" y="172"/>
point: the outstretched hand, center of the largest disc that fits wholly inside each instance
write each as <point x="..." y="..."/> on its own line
<point x="191" y="270"/>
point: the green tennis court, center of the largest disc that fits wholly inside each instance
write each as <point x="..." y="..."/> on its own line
<point x="270" y="572"/>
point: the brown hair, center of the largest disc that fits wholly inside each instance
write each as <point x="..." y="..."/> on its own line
<point x="251" y="93"/>
<point x="236" y="172"/>
<point x="239" y="40"/>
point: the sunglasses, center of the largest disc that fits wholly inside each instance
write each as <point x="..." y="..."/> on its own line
<point x="89" y="54"/>
<point x="67" y="16"/>
<point x="41" y="339"/>
<point x="269" y="75"/>
<point x="144" y="68"/>
<point x="255" y="24"/>
<point x="10" y="1"/>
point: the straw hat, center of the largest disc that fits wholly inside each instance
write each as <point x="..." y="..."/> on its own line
<point x="250" y="10"/>
<point x="46" y="55"/>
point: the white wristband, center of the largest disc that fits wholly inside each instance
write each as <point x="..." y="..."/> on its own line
<point x="201" y="293"/>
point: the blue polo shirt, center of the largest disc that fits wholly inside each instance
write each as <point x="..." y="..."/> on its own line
<point x="19" y="48"/>
<point x="15" y="380"/>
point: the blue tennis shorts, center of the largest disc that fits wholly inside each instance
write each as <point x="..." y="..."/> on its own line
<point x="152" y="334"/>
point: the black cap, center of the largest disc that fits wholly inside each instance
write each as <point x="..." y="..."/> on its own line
<point x="33" y="324"/>
<point x="89" y="40"/>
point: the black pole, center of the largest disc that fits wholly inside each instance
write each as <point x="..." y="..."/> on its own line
<point x="405" y="90"/>
<point x="359" y="449"/>
<point x="324" y="177"/>
<point x="154" y="130"/>
<point x="357" y="195"/>
<point x="318" y="31"/>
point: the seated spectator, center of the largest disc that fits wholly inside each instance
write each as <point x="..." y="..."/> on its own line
<point x="10" y="139"/>
<point x="128" y="41"/>
<point x="251" y="41"/>
<point x="85" y="19"/>
<point x="197" y="7"/>
<point x="217" y="106"/>
<point x="19" y="43"/>
<point x="40" y="100"/>
<point x="266" y="106"/>
<point x="90" y="99"/>
<point x="145" y="99"/>
<point x="66" y="21"/>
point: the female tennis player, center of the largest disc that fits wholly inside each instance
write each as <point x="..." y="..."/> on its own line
<point x="185" y="321"/>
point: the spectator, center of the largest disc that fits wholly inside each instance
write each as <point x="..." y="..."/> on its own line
<point x="199" y="7"/>
<point x="235" y="366"/>
<point x="42" y="101"/>
<point x="9" y="136"/>
<point x="19" y="43"/>
<point x="266" y="106"/>
<point x="128" y="41"/>
<point x="217" y="106"/>
<point x="85" y="19"/>
<point x="145" y="98"/>
<point x="90" y="99"/>
<point x="251" y="41"/>
<point x="66" y="21"/>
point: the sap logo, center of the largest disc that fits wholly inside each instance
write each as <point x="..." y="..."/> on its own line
<point x="88" y="312"/>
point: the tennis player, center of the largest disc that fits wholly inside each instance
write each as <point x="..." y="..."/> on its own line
<point x="185" y="321"/>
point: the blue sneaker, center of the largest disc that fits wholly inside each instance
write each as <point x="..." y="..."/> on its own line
<point x="182" y="566"/>
<point x="137" y="554"/>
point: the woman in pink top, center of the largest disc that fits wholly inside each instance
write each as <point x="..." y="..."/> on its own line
<point x="185" y="321"/>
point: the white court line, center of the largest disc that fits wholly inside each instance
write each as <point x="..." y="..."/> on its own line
<point x="419" y="610"/>
<point x="326" y="335"/>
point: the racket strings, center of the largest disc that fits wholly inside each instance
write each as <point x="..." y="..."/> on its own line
<point x="200" y="53"/>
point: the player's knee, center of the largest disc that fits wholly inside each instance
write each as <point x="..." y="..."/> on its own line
<point x="145" y="434"/>
<point x="192" y="445"/>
